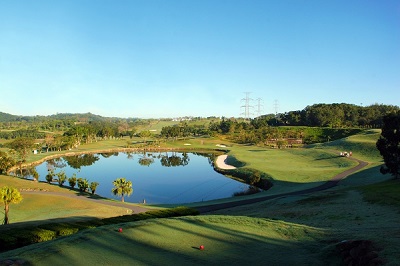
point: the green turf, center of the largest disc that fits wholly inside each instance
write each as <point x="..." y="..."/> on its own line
<point x="362" y="145"/>
<point x="226" y="240"/>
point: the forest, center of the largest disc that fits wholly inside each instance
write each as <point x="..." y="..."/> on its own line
<point x="315" y="123"/>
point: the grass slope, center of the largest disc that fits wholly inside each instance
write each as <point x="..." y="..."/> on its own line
<point x="293" y="169"/>
<point x="175" y="241"/>
<point x="42" y="205"/>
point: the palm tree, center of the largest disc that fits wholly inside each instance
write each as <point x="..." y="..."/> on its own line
<point x="93" y="187"/>
<point x="72" y="181"/>
<point x="83" y="184"/>
<point x="9" y="195"/>
<point x="122" y="187"/>
<point x="61" y="178"/>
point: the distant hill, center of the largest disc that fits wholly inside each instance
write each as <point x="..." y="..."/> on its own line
<point x="4" y="117"/>
<point x="85" y="117"/>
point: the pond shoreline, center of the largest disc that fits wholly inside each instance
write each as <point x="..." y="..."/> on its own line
<point x="112" y="150"/>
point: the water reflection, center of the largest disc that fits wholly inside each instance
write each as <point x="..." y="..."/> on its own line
<point x="160" y="177"/>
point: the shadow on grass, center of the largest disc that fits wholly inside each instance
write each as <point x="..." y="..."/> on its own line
<point x="177" y="242"/>
<point x="313" y="187"/>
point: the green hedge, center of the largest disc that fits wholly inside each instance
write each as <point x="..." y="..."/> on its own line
<point x="19" y="237"/>
<point x="247" y="175"/>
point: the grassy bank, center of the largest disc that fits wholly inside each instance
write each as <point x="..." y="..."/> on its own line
<point x="226" y="240"/>
<point x="42" y="201"/>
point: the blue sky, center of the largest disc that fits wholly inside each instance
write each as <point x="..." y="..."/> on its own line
<point x="152" y="59"/>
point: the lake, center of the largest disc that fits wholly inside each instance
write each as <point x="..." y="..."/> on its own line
<point x="157" y="177"/>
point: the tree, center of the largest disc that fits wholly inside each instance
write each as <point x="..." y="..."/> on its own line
<point x="61" y="178"/>
<point x="50" y="176"/>
<point x="93" y="187"/>
<point x="145" y="135"/>
<point x="35" y="175"/>
<point x="72" y="181"/>
<point x="6" y="162"/>
<point x="23" y="147"/>
<point x="83" y="184"/>
<point x="9" y="195"/>
<point x="388" y="145"/>
<point x="122" y="187"/>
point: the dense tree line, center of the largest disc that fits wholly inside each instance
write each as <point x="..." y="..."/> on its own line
<point x="330" y="115"/>
<point x="263" y="134"/>
<point x="184" y="130"/>
<point x="29" y="133"/>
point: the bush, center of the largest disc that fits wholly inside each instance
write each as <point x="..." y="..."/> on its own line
<point x="249" y="176"/>
<point x="41" y="235"/>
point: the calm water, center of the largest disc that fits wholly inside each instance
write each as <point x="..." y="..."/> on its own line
<point x="168" y="178"/>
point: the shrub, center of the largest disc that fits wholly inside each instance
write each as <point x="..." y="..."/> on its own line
<point x="41" y="235"/>
<point x="249" y="176"/>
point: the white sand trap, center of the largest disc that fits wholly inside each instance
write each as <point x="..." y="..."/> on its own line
<point x="221" y="163"/>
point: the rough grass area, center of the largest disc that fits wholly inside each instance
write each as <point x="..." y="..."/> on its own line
<point x="176" y="241"/>
<point x="385" y="193"/>
<point x="369" y="212"/>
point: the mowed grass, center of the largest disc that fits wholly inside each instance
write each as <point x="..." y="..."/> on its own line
<point x="51" y="201"/>
<point x="363" y="146"/>
<point x="293" y="169"/>
<point x="175" y="241"/>
<point x="37" y="207"/>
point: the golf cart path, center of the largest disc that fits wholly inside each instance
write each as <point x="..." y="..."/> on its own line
<point x="329" y="184"/>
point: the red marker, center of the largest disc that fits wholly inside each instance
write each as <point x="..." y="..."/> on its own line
<point x="120" y="230"/>
<point x="201" y="247"/>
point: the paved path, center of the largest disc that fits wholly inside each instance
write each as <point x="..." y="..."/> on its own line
<point x="329" y="184"/>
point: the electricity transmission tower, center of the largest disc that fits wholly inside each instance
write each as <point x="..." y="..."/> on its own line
<point x="259" y="107"/>
<point x="247" y="106"/>
<point x="276" y="107"/>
